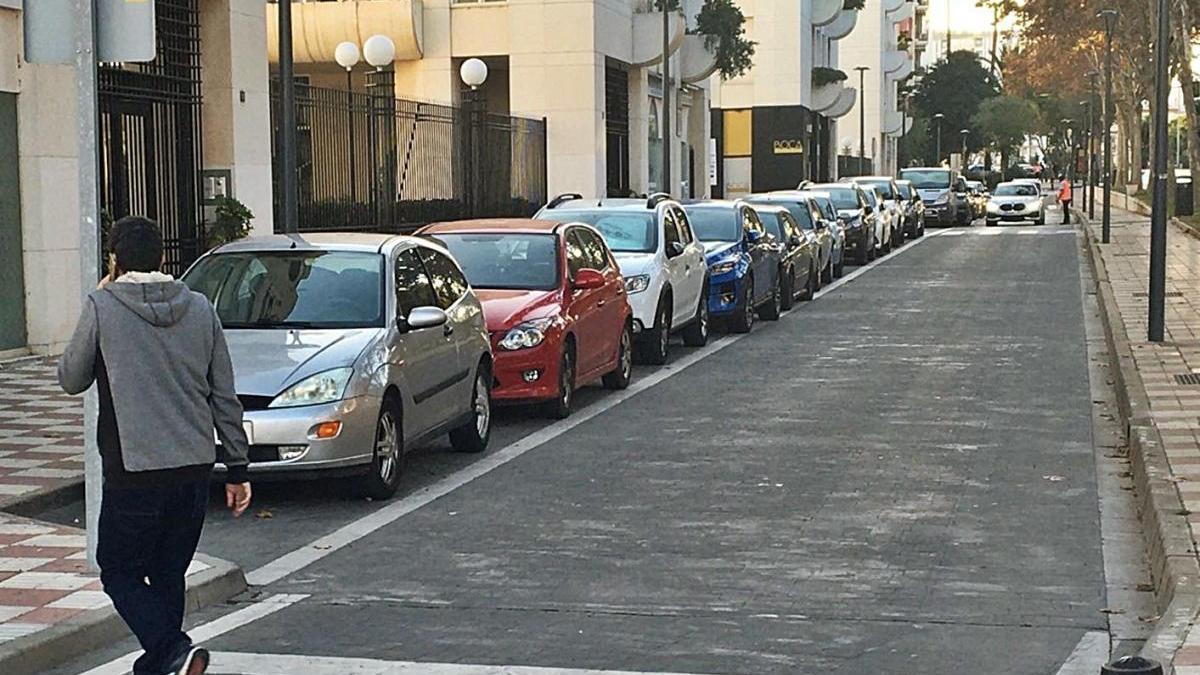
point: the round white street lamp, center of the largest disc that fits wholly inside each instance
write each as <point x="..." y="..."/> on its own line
<point x="379" y="51"/>
<point x="346" y="54"/>
<point x="473" y="72"/>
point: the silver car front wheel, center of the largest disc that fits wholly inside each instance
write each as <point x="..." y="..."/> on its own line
<point x="473" y="435"/>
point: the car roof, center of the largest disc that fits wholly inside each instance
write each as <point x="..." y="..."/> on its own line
<point x="526" y="225"/>
<point x="717" y="203"/>
<point x="325" y="241"/>
<point x="903" y="181"/>
<point x="777" y="195"/>
<point x="925" y="168"/>
<point x="619" y="203"/>
<point x="829" y="186"/>
<point x="871" y="178"/>
<point x="768" y="208"/>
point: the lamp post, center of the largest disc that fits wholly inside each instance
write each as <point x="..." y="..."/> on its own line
<point x="473" y="73"/>
<point x="1068" y="134"/>
<point x="347" y="56"/>
<point x="937" y="157"/>
<point x="862" y="110"/>
<point x="668" y="141"/>
<point x="1090" y="188"/>
<point x="1087" y="144"/>
<point x="289" y="199"/>
<point x="379" y="50"/>
<point x="1158" y="212"/>
<point x="964" y="133"/>
<point x="1109" y="17"/>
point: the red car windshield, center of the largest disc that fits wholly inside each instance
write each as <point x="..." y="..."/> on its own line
<point x="519" y="261"/>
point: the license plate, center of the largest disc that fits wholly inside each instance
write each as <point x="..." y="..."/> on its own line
<point x="247" y="426"/>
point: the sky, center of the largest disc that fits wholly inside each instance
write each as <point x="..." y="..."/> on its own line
<point x="963" y="13"/>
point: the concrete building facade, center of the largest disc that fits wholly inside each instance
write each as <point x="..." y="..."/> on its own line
<point x="591" y="68"/>
<point x="218" y="126"/>
<point x="773" y="126"/>
<point x="876" y="45"/>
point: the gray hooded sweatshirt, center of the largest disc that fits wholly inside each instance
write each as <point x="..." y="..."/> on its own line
<point x="166" y="382"/>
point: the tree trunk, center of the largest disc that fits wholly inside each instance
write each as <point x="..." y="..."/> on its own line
<point x="1183" y="31"/>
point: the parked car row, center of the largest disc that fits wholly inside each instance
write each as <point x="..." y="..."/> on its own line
<point x="351" y="349"/>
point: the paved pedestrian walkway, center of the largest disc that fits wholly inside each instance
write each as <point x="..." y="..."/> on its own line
<point x="1170" y="370"/>
<point x="41" y="432"/>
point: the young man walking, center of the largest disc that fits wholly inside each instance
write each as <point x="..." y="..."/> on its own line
<point x="1064" y="198"/>
<point x="156" y="353"/>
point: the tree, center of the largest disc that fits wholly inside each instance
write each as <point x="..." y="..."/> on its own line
<point x="955" y="87"/>
<point x="1004" y="121"/>
<point x="723" y="26"/>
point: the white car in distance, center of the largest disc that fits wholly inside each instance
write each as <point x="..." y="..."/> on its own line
<point x="661" y="259"/>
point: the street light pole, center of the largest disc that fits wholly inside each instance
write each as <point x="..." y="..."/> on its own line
<point x="347" y="55"/>
<point x="1090" y="188"/>
<point x="666" y="87"/>
<point x="862" y="111"/>
<point x="937" y="157"/>
<point x="964" y="133"/>
<point x="289" y="199"/>
<point x="1087" y="147"/>
<point x="1110" y="18"/>
<point x="1158" y="212"/>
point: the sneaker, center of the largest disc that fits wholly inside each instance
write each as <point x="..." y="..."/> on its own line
<point x="193" y="662"/>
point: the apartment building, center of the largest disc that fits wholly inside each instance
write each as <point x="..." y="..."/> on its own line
<point x="879" y="55"/>
<point x="591" y="68"/>
<point x="192" y="124"/>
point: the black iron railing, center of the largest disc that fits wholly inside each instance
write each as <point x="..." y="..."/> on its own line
<point x="367" y="161"/>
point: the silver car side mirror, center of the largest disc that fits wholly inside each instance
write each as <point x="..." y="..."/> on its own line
<point x="424" y="317"/>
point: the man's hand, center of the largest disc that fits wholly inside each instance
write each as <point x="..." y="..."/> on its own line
<point x="237" y="498"/>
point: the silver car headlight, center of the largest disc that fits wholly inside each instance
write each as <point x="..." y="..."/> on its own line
<point x="943" y="198"/>
<point x="324" y="387"/>
<point x="526" y="335"/>
<point x="637" y="283"/>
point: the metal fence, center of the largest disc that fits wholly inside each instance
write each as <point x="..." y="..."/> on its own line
<point x="372" y="162"/>
<point x="851" y="165"/>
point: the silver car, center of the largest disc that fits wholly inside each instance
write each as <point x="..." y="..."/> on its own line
<point x="349" y="350"/>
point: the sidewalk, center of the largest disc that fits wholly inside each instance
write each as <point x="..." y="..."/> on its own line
<point x="1160" y="387"/>
<point x="51" y="607"/>
<point x="41" y="434"/>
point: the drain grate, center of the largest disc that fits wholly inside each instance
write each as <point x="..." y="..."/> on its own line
<point x="1168" y="294"/>
<point x="1190" y="379"/>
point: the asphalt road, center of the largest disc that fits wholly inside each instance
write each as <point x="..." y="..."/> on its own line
<point x="897" y="477"/>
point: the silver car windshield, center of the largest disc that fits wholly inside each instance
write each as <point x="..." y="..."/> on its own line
<point x="527" y="262"/>
<point x="292" y="289"/>
<point x="927" y="179"/>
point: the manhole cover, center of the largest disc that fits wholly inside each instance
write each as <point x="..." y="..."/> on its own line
<point x="1190" y="379"/>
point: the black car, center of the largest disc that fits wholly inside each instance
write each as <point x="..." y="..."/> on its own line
<point x="799" y="276"/>
<point x="856" y="214"/>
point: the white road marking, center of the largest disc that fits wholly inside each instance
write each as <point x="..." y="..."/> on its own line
<point x="317" y="549"/>
<point x="952" y="233"/>
<point x="237" y="663"/>
<point x="210" y="630"/>
<point x="1088" y="656"/>
<point x="991" y="232"/>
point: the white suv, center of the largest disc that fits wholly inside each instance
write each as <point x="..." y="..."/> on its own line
<point x="662" y="262"/>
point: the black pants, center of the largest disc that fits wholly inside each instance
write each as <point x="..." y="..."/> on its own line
<point x="1066" y="207"/>
<point x="146" y="541"/>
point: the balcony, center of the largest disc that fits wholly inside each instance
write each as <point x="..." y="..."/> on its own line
<point x="842" y="25"/>
<point x="893" y="123"/>
<point x="843" y="105"/>
<point x="318" y="27"/>
<point x="894" y="61"/>
<point x="696" y="61"/>
<point x="904" y="11"/>
<point x="826" y="97"/>
<point x="890" y="6"/>
<point x="825" y="11"/>
<point x="647" y="37"/>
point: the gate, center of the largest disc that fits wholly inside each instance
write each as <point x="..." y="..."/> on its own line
<point x="149" y="135"/>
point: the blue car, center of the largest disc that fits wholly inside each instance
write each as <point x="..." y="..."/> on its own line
<point x="743" y="262"/>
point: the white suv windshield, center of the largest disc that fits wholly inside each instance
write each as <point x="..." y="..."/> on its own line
<point x="624" y="231"/>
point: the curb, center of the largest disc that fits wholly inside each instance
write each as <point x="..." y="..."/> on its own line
<point x="98" y="628"/>
<point x="1174" y="567"/>
<point x="41" y="500"/>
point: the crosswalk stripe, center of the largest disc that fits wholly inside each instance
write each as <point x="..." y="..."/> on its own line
<point x="238" y="663"/>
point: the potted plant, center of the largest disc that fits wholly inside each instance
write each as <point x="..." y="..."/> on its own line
<point x="822" y="76"/>
<point x="231" y="221"/>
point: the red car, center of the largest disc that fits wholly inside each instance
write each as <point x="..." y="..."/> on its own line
<point x="554" y="302"/>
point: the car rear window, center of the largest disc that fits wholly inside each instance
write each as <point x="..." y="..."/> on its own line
<point x="714" y="223"/>
<point x="505" y="260"/>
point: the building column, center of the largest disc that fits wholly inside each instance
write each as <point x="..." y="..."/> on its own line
<point x="639" y="130"/>
<point x="236" y="112"/>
